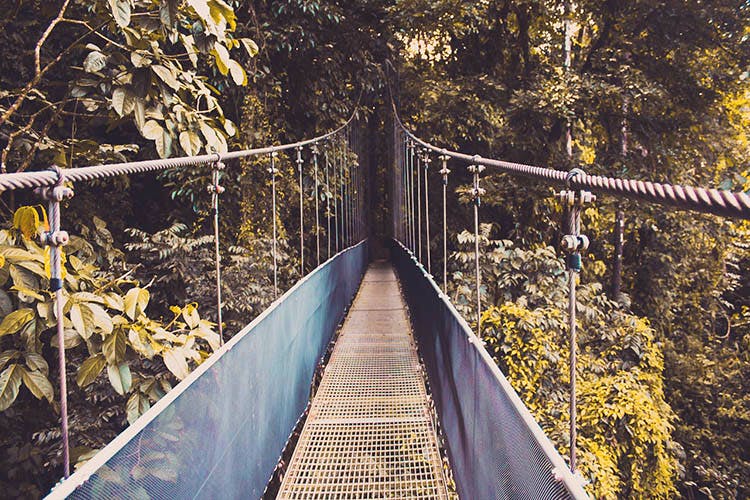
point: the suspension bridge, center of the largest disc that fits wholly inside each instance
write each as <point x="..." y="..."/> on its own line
<point x="410" y="404"/>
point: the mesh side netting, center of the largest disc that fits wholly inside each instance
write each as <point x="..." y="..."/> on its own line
<point x="220" y="432"/>
<point x="495" y="447"/>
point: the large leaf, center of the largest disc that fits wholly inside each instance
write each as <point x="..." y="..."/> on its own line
<point x="250" y="46"/>
<point x="15" y="255"/>
<point x="90" y="369"/>
<point x="94" y="62"/>
<point x="190" y="142"/>
<point x="238" y="74"/>
<point x="221" y="54"/>
<point x="76" y="317"/>
<point x="176" y="363"/>
<point x="36" y="362"/>
<point x="15" y="321"/>
<point x="221" y="12"/>
<point x="137" y="405"/>
<point x="120" y="97"/>
<point x="167" y="76"/>
<point x="114" y="347"/>
<point x="39" y="385"/>
<point x="120" y="11"/>
<point x="201" y="8"/>
<point x="7" y="356"/>
<point x="120" y="378"/>
<point x="99" y="316"/>
<point x="10" y="383"/>
<point x="152" y="130"/>
<point x="136" y="301"/>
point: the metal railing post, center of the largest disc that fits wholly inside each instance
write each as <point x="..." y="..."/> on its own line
<point x="444" y="171"/>
<point x="55" y="238"/>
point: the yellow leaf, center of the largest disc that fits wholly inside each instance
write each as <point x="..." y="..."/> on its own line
<point x="221" y="54"/>
<point x="15" y="321"/>
<point x="38" y="384"/>
<point x="30" y="221"/>
<point x="176" y="363"/>
<point x="90" y="369"/>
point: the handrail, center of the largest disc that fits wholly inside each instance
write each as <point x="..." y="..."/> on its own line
<point x="22" y="180"/>
<point x="713" y="201"/>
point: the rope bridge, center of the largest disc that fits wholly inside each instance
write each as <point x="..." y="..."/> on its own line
<point x="370" y="430"/>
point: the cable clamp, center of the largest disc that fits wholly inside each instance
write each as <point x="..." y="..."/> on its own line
<point x="58" y="192"/>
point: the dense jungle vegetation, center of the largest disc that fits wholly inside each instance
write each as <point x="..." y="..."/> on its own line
<point x="654" y="89"/>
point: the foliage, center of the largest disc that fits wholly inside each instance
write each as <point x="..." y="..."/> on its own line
<point x="106" y="326"/>
<point x="624" y="423"/>
<point x="111" y="63"/>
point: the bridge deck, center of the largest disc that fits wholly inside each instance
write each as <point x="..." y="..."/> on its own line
<point x="369" y="433"/>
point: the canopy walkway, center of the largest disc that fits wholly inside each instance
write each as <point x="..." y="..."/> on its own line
<point x="370" y="430"/>
<point x="369" y="433"/>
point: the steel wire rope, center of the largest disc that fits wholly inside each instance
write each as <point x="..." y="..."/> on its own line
<point x="705" y="200"/>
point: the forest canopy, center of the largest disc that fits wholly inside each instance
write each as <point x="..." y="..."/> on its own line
<point x="647" y="90"/>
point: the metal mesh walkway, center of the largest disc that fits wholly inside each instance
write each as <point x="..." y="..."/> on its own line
<point x="369" y="433"/>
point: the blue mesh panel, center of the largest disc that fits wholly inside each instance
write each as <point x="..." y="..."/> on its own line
<point x="496" y="449"/>
<point x="220" y="432"/>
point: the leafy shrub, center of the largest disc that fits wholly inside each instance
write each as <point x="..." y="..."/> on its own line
<point x="624" y="423"/>
<point x="107" y="330"/>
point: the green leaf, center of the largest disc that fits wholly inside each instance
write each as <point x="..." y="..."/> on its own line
<point x="137" y="405"/>
<point x="190" y="142"/>
<point x="250" y="46"/>
<point x="143" y="297"/>
<point x="10" y="384"/>
<point x="120" y="378"/>
<point x="220" y="11"/>
<point x="15" y="321"/>
<point x="201" y="8"/>
<point x="7" y="356"/>
<point x="221" y="54"/>
<point x="71" y="338"/>
<point x="120" y="11"/>
<point x="94" y="62"/>
<point x="114" y="347"/>
<point x="151" y="130"/>
<point x="175" y="361"/>
<point x="238" y="74"/>
<point x="166" y="76"/>
<point x="76" y="317"/>
<point x="37" y="362"/>
<point x="99" y="317"/>
<point x="90" y="369"/>
<point x="118" y="100"/>
<point x="38" y="384"/>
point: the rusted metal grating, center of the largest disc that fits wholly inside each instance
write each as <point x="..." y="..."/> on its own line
<point x="369" y="433"/>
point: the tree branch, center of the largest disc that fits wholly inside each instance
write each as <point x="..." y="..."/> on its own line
<point x="38" y="76"/>
<point x="45" y="35"/>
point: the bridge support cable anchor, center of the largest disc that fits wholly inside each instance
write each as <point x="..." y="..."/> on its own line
<point x="426" y="160"/>
<point x="475" y="169"/>
<point x="216" y="189"/>
<point x="444" y="171"/>
<point x="55" y="239"/>
<point x="573" y="243"/>
<point x="273" y="171"/>
<point x="301" y="215"/>
<point x="315" y="152"/>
